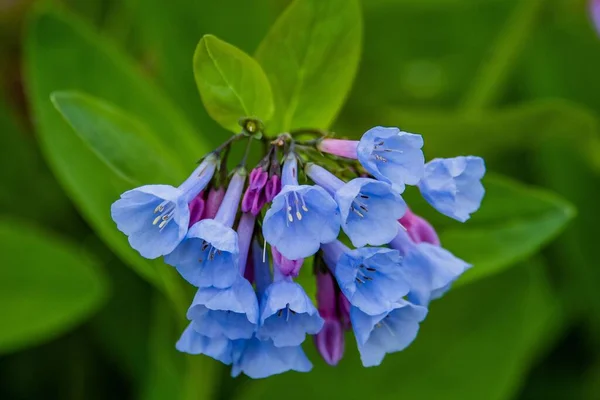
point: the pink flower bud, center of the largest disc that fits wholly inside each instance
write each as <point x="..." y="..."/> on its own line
<point x="285" y="266"/>
<point x="330" y="342"/>
<point x="272" y="188"/>
<point x="197" y="207"/>
<point x="419" y="230"/>
<point x="213" y="202"/>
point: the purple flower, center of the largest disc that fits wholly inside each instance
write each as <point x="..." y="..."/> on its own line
<point x="213" y="202"/>
<point x="330" y="340"/>
<point x="419" y="229"/>
<point x="255" y="198"/>
<point x="285" y="266"/>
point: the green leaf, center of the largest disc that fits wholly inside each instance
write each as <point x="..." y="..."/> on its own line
<point x="123" y="143"/>
<point x="231" y="83"/>
<point x="47" y="285"/>
<point x="311" y="56"/>
<point x="61" y="52"/>
<point x="514" y="222"/>
<point x="476" y="343"/>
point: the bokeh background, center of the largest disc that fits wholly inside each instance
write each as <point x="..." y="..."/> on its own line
<point x="514" y="81"/>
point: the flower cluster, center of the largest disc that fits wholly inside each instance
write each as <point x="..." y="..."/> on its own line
<point x="377" y="265"/>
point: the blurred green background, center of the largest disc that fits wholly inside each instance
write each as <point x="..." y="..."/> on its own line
<point x="517" y="82"/>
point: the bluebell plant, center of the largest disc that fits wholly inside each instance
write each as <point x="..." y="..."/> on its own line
<point x="242" y="240"/>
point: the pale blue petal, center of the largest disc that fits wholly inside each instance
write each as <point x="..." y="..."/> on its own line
<point x="369" y="211"/>
<point x="298" y="232"/>
<point x="208" y="256"/>
<point x="287" y="315"/>
<point x="219" y="348"/>
<point x="135" y="214"/>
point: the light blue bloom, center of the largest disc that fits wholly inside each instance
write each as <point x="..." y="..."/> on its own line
<point x="453" y="185"/>
<point x="392" y="156"/>
<point x="209" y="254"/>
<point x="191" y="342"/>
<point x="231" y="312"/>
<point x="371" y="278"/>
<point x="369" y="209"/>
<point x="301" y="217"/>
<point x="429" y="269"/>
<point x="388" y="332"/>
<point x="156" y="217"/>
<point x="287" y="314"/>
<point x="261" y="358"/>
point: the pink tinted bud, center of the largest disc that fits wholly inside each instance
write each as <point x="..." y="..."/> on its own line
<point x="248" y="199"/>
<point x="595" y="13"/>
<point x="419" y="230"/>
<point x="330" y="342"/>
<point x="258" y="178"/>
<point x="197" y="207"/>
<point x="258" y="203"/>
<point x="326" y="296"/>
<point x="285" y="266"/>
<point x="344" y="310"/>
<point x="272" y="188"/>
<point x="213" y="202"/>
<point x="339" y="147"/>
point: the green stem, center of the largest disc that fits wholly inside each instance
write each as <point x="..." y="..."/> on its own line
<point x="494" y="73"/>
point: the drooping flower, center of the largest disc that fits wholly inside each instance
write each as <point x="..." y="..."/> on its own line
<point x="286" y="267"/>
<point x="220" y="348"/>
<point x="453" y="185"/>
<point x="301" y="216"/>
<point x="330" y="340"/>
<point x="419" y="229"/>
<point x="388" y="332"/>
<point x="156" y="217"/>
<point x="369" y="209"/>
<point x="231" y="312"/>
<point x="208" y="256"/>
<point x="429" y="269"/>
<point x="389" y="154"/>
<point x="261" y="358"/>
<point x="371" y="278"/>
<point x="287" y="315"/>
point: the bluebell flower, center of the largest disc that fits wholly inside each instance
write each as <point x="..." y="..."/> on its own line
<point x="429" y="269"/>
<point x="388" y="332"/>
<point x="220" y="348"/>
<point x="208" y="256"/>
<point x="155" y="218"/>
<point x="371" y="278"/>
<point x="392" y="156"/>
<point x="287" y="314"/>
<point x="261" y="358"/>
<point x="230" y="312"/>
<point x="369" y="209"/>
<point x="453" y="185"/>
<point x="301" y="216"/>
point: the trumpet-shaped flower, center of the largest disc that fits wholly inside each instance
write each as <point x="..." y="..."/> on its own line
<point x="155" y="218"/>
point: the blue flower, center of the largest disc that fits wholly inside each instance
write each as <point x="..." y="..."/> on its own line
<point x="261" y="358"/>
<point x="388" y="332"/>
<point x="191" y="342"/>
<point x="301" y="217"/>
<point x="370" y="211"/>
<point x="208" y="256"/>
<point x="453" y="185"/>
<point x="371" y="278"/>
<point x="392" y="156"/>
<point x="287" y="314"/>
<point x="156" y="217"/>
<point x="231" y="312"/>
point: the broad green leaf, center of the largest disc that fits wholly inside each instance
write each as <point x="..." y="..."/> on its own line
<point x="232" y="84"/>
<point x="311" y="56"/>
<point x="151" y="23"/>
<point x="514" y="222"/>
<point x="476" y="343"/>
<point x="122" y="142"/>
<point x="47" y="285"/>
<point x="26" y="179"/>
<point x="61" y="52"/>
